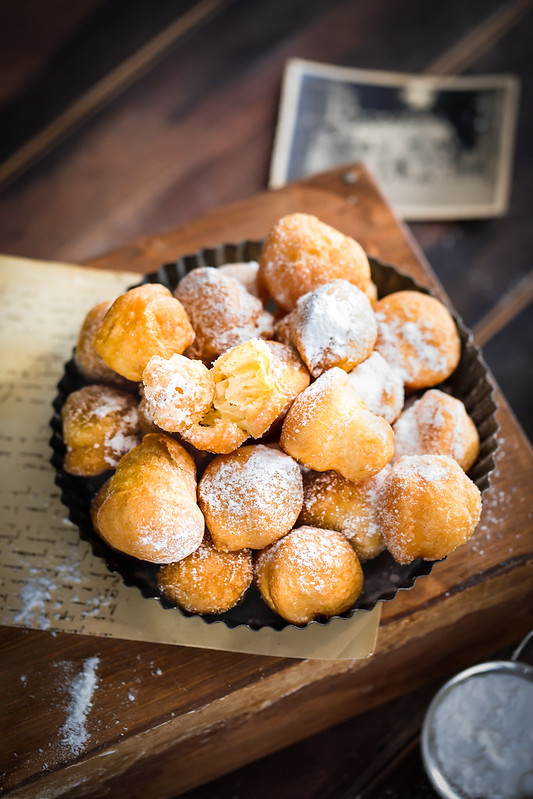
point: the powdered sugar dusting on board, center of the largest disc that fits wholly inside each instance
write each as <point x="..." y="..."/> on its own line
<point x="74" y="732"/>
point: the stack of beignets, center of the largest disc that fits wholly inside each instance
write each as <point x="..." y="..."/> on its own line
<point x="318" y="401"/>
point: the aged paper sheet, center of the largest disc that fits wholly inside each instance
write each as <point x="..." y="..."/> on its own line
<point x="49" y="578"/>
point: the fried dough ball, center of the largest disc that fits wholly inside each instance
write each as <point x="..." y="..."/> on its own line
<point x="334" y="325"/>
<point x="149" y="510"/>
<point x="309" y="573"/>
<point x="146" y="420"/>
<point x="301" y="253"/>
<point x="91" y="366"/>
<point x="332" y="502"/>
<point x="329" y="427"/>
<point x="247" y="274"/>
<point x="222" y="313"/>
<point x="251" y="497"/>
<point x="207" y="581"/>
<point x="178" y="392"/>
<point x="143" y="322"/>
<point x="437" y="424"/>
<point x="255" y="383"/>
<point x="371" y="291"/>
<point x="100" y="424"/>
<point x="96" y="504"/>
<point x="429" y="507"/>
<point x="380" y="386"/>
<point x="417" y="335"/>
<point x="220" y="436"/>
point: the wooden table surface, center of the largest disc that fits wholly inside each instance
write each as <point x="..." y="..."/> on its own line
<point x="181" y="121"/>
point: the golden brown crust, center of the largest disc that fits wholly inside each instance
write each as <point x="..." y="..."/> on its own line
<point x="87" y="360"/>
<point x="143" y="322"/>
<point x="437" y="424"/>
<point x="251" y="497"/>
<point x="222" y="313"/>
<point x="100" y="424"/>
<point x="429" y="508"/>
<point x="207" y="581"/>
<point x="301" y="253"/>
<point x="308" y="574"/>
<point x="328" y="427"/>
<point x="417" y="335"/>
<point x="149" y="510"/>
<point x="332" y="502"/>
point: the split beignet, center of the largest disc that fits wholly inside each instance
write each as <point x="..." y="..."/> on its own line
<point x="141" y="323"/>
<point x="251" y="497"/>
<point x="255" y="384"/>
<point x="429" y="507"/>
<point x="417" y="335"/>
<point x="100" y="424"/>
<point x="380" y="386"/>
<point x="437" y="424"/>
<point x="302" y="253"/>
<point x="149" y="510"/>
<point x="177" y="391"/>
<point x="329" y="427"/>
<point x="334" y="325"/>
<point x="207" y="581"/>
<point x="352" y="509"/>
<point x="222" y="313"/>
<point x="309" y="573"/>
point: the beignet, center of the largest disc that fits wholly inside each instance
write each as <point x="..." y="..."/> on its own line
<point x="329" y="427"/>
<point x="100" y="424"/>
<point x="379" y="385"/>
<point x="437" y="424"/>
<point x="417" y="335"/>
<point x="177" y="391"/>
<point x="251" y="497"/>
<point x="141" y="323"/>
<point x="149" y="510"/>
<point x="309" y="573"/>
<point x="429" y="508"/>
<point x="207" y="581"/>
<point x="222" y="313"/>
<point x="334" y="325"/>
<point x="301" y="253"/>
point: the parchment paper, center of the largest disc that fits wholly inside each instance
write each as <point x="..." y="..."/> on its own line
<point x="49" y="578"/>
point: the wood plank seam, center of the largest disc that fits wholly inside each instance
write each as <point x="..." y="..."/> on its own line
<point x="120" y="78"/>
<point x="506" y="309"/>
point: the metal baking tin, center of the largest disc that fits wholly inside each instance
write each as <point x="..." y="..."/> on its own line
<point x="383" y="576"/>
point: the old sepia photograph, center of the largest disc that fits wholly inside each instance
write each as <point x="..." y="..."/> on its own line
<point x="439" y="147"/>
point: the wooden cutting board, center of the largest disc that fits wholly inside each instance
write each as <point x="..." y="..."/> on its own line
<point x="192" y="715"/>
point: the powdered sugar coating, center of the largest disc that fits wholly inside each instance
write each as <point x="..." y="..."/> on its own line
<point x="222" y="313"/>
<point x="429" y="507"/>
<point x="301" y="253"/>
<point x="207" y="581"/>
<point x="417" y="335"/>
<point x="251" y="497"/>
<point x="100" y="425"/>
<point x="335" y="503"/>
<point x="246" y="273"/>
<point x="178" y="391"/>
<point x="437" y="424"/>
<point x="379" y="385"/>
<point x="334" y="325"/>
<point x="308" y="573"/>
